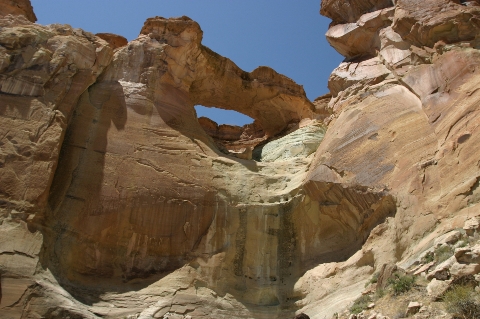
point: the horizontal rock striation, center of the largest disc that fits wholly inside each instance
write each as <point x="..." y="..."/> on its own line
<point x="403" y="115"/>
<point x="117" y="201"/>
<point x="109" y="179"/>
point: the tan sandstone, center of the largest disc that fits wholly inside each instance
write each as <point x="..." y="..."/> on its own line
<point x="117" y="201"/>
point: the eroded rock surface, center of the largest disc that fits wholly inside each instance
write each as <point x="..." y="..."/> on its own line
<point x="17" y="8"/>
<point x="116" y="201"/>
<point x="402" y="120"/>
<point x="135" y="185"/>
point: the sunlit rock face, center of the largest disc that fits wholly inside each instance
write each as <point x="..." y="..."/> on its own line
<point x="404" y="113"/>
<point x="117" y="201"/>
<point x="110" y="180"/>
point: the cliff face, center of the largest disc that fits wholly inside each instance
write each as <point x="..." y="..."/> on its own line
<point x="115" y="200"/>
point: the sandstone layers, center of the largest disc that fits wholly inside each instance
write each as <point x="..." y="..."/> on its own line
<point x="116" y="201"/>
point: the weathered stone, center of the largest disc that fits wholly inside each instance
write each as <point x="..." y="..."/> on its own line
<point x="458" y="270"/>
<point x="468" y="254"/>
<point x="437" y="288"/>
<point x="345" y="11"/>
<point x="355" y="76"/>
<point x="385" y="273"/>
<point x="360" y="38"/>
<point x="442" y="271"/>
<point x="148" y="216"/>
<point x="299" y="144"/>
<point x="412" y="308"/>
<point x="424" y="268"/>
<point x="17" y="7"/>
<point x="449" y="238"/>
<point x="472" y="225"/>
<point x="116" y="41"/>
<point x="423" y="23"/>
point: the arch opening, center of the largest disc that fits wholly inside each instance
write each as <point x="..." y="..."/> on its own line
<point x="221" y="116"/>
<point x="234" y="133"/>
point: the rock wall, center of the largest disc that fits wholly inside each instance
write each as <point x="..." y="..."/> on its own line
<point x="116" y="201"/>
<point x="404" y="114"/>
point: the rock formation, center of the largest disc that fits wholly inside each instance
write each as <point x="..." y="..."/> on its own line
<point x="17" y="8"/>
<point x="116" y="201"/>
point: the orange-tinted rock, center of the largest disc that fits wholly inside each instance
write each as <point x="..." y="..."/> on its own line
<point x="424" y="23"/>
<point x="209" y="126"/>
<point x="17" y="7"/>
<point x="146" y="215"/>
<point x="38" y="94"/>
<point x="349" y="11"/>
<point x="362" y="37"/>
<point x="215" y="78"/>
<point x="44" y="71"/>
<point x="115" y="41"/>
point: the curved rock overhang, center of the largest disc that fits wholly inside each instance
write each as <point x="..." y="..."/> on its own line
<point x="271" y="99"/>
<point x="107" y="171"/>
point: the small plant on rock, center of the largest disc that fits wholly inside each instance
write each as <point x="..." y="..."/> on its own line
<point x="442" y="253"/>
<point x="360" y="304"/>
<point x="428" y="258"/>
<point x="373" y="280"/>
<point x="401" y="283"/>
<point x="462" y="302"/>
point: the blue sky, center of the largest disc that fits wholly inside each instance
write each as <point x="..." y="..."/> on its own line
<point x="287" y="35"/>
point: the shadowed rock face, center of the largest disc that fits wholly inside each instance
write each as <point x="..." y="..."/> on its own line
<point x="115" y="200"/>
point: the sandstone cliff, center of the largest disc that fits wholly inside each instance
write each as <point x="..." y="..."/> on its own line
<point x="116" y="201"/>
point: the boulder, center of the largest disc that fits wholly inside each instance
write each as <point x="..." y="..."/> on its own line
<point x="412" y="308"/>
<point x="442" y="271"/>
<point x="468" y="254"/>
<point x="437" y="288"/>
<point x="458" y="270"/>
<point x="357" y="75"/>
<point x="472" y="225"/>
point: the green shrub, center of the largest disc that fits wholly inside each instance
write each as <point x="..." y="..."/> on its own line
<point x="442" y="253"/>
<point x="373" y="280"/>
<point x="360" y="304"/>
<point x="428" y="258"/>
<point x="462" y="302"/>
<point x="401" y="283"/>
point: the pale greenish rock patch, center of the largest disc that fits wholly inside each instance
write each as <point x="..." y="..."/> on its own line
<point x="298" y="144"/>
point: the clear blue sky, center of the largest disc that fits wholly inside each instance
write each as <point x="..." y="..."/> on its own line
<point x="287" y="35"/>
